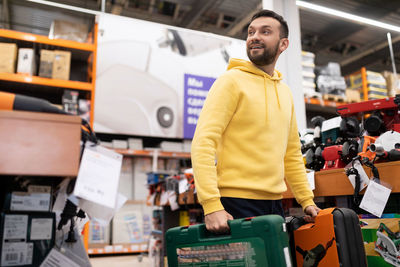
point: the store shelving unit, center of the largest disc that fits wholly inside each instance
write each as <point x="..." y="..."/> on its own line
<point x="119" y="249"/>
<point x="89" y="50"/>
<point x="364" y="81"/>
<point x="334" y="182"/>
<point x="151" y="153"/>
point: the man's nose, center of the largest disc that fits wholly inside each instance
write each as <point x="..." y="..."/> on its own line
<point x="254" y="37"/>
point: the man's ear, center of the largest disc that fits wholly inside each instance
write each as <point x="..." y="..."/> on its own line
<point x="283" y="44"/>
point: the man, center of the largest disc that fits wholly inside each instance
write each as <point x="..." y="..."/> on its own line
<point x="246" y="140"/>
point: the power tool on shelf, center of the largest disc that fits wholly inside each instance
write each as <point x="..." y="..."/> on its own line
<point x="388" y="246"/>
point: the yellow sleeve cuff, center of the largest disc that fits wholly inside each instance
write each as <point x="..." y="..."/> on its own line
<point x="212" y="205"/>
<point x="306" y="203"/>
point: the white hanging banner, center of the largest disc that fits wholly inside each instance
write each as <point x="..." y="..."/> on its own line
<point x="375" y="198"/>
<point x="98" y="175"/>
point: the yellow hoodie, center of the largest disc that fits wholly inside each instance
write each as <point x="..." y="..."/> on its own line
<point x="246" y="140"/>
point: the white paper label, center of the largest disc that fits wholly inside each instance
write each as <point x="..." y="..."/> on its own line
<point x="172" y="200"/>
<point x="57" y="259"/>
<point x="16" y="253"/>
<point x="30" y="201"/>
<point x="15" y="227"/>
<point x="375" y="198"/>
<point x="151" y="199"/>
<point x="311" y="179"/>
<point x="39" y="189"/>
<point x="41" y="229"/>
<point x="364" y="180"/>
<point x="98" y="175"/>
<point x="164" y="198"/>
<point x="183" y="186"/>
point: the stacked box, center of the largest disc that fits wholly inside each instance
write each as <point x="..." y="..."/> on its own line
<point x="392" y="83"/>
<point x="330" y="80"/>
<point x="46" y="63"/>
<point x="26" y="61"/>
<point x="8" y="56"/>
<point x="61" y="65"/>
<point x="308" y="66"/>
<point x="171" y="146"/>
<point x="376" y="85"/>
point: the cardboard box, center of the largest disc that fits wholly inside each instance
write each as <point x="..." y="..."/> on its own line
<point x="50" y="146"/>
<point x="8" y="57"/>
<point x="26" y="61"/>
<point x="392" y="83"/>
<point x="69" y="31"/>
<point x="61" y="65"/>
<point x="353" y="95"/>
<point x="46" y="63"/>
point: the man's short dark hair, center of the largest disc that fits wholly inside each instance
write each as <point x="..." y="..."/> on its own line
<point x="284" y="30"/>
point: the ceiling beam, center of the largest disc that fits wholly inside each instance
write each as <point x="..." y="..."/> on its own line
<point x="198" y="8"/>
<point x="5" y="11"/>
<point x="368" y="51"/>
<point x="237" y="27"/>
<point x="378" y="57"/>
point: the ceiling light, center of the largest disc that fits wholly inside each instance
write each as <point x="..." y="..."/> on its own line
<point x="348" y="16"/>
<point x="74" y="8"/>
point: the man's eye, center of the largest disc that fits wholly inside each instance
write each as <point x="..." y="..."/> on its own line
<point x="266" y="32"/>
<point x="250" y="33"/>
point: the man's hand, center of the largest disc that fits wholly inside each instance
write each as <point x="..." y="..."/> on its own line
<point x="217" y="222"/>
<point x="311" y="213"/>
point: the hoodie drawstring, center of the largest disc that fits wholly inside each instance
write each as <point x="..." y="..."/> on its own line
<point x="277" y="95"/>
<point x="265" y="95"/>
<point x="265" y="98"/>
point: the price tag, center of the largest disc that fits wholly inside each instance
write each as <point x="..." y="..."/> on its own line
<point x="375" y="198"/>
<point x="311" y="179"/>
<point x="364" y="180"/>
<point x="98" y="175"/>
<point x="164" y="198"/>
<point x="57" y="259"/>
<point x="173" y="200"/>
<point x="183" y="186"/>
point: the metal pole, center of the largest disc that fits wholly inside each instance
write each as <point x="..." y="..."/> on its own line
<point x="103" y="6"/>
<point x="389" y="37"/>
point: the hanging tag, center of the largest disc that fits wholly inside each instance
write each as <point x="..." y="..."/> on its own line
<point x="98" y="175"/>
<point x="57" y="259"/>
<point x="364" y="180"/>
<point x="173" y="200"/>
<point x="311" y="179"/>
<point x="375" y="198"/>
<point x="183" y="186"/>
<point x="164" y="198"/>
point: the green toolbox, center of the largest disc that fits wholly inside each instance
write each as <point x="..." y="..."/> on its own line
<point x="258" y="241"/>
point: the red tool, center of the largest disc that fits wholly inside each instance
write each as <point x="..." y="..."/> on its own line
<point x="332" y="156"/>
<point x="389" y="108"/>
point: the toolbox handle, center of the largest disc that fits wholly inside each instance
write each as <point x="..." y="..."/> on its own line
<point x="200" y="231"/>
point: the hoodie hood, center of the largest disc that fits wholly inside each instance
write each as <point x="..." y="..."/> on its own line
<point x="247" y="66"/>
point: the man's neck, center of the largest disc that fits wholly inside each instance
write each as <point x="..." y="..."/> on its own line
<point x="269" y="69"/>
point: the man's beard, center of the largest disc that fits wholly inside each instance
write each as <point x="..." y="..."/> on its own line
<point x="266" y="58"/>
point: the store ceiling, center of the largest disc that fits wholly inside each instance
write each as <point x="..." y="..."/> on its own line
<point x="330" y="38"/>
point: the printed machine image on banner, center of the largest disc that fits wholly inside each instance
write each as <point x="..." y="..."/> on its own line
<point x="152" y="79"/>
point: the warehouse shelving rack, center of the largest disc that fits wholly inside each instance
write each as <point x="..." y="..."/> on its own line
<point x="88" y="49"/>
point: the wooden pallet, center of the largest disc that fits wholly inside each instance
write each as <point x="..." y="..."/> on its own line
<point x="336" y="98"/>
